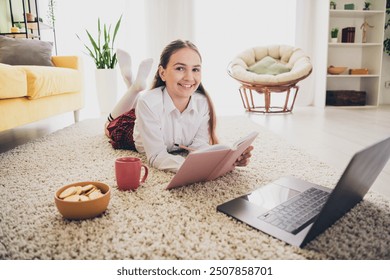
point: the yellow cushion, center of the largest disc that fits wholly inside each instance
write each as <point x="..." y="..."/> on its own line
<point x="46" y="81"/>
<point x="66" y="61"/>
<point x="13" y="82"/>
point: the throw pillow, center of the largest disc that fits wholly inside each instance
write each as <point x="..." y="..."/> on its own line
<point x="25" y="52"/>
<point x="269" y="65"/>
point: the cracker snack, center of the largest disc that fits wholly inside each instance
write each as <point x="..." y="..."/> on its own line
<point x="80" y="193"/>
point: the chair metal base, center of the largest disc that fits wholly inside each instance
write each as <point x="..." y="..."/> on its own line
<point x="249" y="104"/>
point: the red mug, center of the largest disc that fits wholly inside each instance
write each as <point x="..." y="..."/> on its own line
<point x="128" y="173"/>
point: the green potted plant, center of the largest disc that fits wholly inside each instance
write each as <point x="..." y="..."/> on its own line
<point x="102" y="49"/>
<point x="332" y="5"/>
<point x="16" y="28"/>
<point x="367" y="5"/>
<point x="334" y="32"/>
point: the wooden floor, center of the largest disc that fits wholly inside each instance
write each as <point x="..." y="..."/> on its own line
<point x="332" y="135"/>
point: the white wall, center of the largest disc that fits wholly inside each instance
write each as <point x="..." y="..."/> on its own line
<point x="385" y="92"/>
<point x="319" y="19"/>
<point x="305" y="27"/>
<point x="4" y="18"/>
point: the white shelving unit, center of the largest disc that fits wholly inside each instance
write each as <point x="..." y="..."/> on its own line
<point x="15" y="13"/>
<point x="358" y="54"/>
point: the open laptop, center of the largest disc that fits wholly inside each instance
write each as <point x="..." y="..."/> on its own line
<point x="269" y="207"/>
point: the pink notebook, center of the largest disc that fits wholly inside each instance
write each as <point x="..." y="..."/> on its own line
<point x="210" y="163"/>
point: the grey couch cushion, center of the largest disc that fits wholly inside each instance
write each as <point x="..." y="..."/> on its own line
<point x="25" y="52"/>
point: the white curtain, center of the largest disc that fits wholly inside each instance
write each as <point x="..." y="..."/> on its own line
<point x="167" y="20"/>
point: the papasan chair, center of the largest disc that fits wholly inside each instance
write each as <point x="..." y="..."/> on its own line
<point x="270" y="69"/>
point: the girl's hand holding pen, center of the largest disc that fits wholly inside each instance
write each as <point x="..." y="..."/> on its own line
<point x="243" y="160"/>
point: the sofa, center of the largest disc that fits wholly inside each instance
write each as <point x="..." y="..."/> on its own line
<point x="29" y="93"/>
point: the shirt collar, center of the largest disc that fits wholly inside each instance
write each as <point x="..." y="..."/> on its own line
<point x="168" y="103"/>
<point x="169" y="106"/>
<point x="191" y="105"/>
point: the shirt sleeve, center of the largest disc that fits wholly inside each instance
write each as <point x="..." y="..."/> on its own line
<point x="150" y="129"/>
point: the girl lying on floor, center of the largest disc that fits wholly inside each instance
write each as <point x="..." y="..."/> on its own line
<point x="177" y="111"/>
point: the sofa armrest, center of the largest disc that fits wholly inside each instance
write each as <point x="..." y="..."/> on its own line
<point x="66" y="61"/>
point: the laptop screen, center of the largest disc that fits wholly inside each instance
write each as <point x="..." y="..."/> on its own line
<point x="270" y="196"/>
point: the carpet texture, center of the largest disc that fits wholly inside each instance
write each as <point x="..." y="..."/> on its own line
<point x="152" y="223"/>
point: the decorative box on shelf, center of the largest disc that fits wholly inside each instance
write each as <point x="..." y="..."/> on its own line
<point x="345" y="98"/>
<point x="362" y="71"/>
<point x="349" y="6"/>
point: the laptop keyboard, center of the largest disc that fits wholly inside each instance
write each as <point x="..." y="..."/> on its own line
<point x="297" y="212"/>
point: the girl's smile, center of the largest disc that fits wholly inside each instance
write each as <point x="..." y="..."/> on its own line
<point x="182" y="76"/>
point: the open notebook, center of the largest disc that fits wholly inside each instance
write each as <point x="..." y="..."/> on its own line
<point x="210" y="163"/>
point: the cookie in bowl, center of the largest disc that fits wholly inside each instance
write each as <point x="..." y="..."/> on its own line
<point x="82" y="200"/>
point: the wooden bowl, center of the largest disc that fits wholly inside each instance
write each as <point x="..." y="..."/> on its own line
<point x="336" y="70"/>
<point x="78" y="210"/>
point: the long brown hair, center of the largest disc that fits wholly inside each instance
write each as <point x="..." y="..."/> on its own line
<point x="169" y="50"/>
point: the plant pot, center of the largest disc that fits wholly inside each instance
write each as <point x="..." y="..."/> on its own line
<point x="30" y="17"/>
<point x="333" y="40"/>
<point x="15" y="30"/>
<point x="106" y="89"/>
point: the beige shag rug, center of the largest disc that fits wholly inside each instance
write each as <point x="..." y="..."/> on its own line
<point x="153" y="223"/>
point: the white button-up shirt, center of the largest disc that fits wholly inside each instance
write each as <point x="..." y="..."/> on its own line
<point x="159" y="125"/>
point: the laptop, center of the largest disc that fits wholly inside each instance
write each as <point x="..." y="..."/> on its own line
<point x="297" y="211"/>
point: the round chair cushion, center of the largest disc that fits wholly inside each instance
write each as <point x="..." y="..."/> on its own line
<point x="293" y="58"/>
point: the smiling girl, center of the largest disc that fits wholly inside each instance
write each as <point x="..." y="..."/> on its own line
<point x="177" y="111"/>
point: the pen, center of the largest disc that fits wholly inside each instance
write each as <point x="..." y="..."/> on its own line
<point x="184" y="147"/>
